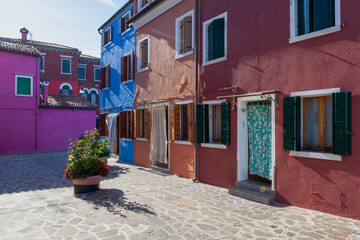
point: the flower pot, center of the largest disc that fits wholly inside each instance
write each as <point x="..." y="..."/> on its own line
<point x="105" y="159"/>
<point x="87" y="185"/>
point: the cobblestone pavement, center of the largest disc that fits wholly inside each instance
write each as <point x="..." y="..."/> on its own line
<point x="36" y="202"/>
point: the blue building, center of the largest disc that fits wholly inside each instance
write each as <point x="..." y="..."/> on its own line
<point x="117" y="82"/>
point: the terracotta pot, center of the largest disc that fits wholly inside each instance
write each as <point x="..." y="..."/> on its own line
<point x="87" y="185"/>
<point x="105" y="159"/>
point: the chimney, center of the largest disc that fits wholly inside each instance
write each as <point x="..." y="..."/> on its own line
<point x="24" y="33"/>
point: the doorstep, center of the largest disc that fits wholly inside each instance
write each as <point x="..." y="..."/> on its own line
<point x="254" y="191"/>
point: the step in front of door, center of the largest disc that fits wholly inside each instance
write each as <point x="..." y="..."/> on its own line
<point x="253" y="194"/>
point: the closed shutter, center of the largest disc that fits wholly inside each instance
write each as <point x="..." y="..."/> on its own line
<point x="211" y="41"/>
<point x="292" y="123"/>
<point x="324" y="14"/>
<point x="188" y="34"/>
<point x="190" y="111"/>
<point x="122" y="25"/>
<point x="177" y="122"/>
<point x="123" y="124"/>
<point x="219" y="38"/>
<point x="137" y="122"/>
<point x="225" y="123"/>
<point x="172" y="121"/>
<point x="144" y="55"/>
<point x="124" y="65"/>
<point x="182" y="36"/>
<point x="341" y="123"/>
<point x="132" y="65"/>
<point x="107" y="76"/>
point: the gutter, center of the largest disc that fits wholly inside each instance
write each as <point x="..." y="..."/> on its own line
<point x="196" y="154"/>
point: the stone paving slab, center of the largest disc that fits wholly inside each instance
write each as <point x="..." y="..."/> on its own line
<point x="36" y="202"/>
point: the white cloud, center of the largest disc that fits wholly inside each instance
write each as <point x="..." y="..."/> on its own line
<point x="108" y="3"/>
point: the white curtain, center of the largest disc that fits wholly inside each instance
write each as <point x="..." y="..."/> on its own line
<point x="158" y="144"/>
<point x="111" y="124"/>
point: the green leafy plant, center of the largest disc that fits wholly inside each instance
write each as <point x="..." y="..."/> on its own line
<point x="84" y="159"/>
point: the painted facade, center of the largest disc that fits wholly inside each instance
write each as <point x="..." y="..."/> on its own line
<point x="165" y="79"/>
<point x="25" y="125"/>
<point x="117" y="93"/>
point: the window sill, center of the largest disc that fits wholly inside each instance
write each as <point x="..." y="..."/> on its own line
<point x="82" y="79"/>
<point x="127" y="139"/>
<point x="215" y="61"/>
<point x="96" y="80"/>
<point x="315" y="34"/>
<point x="183" y="142"/>
<point x="107" y="44"/>
<point x="213" y="145"/>
<point x="21" y="95"/>
<point x="66" y="73"/>
<point x="127" y="30"/>
<point x="178" y="56"/>
<point x="143" y="139"/>
<point x="316" y="155"/>
<point x="128" y="81"/>
<point x="143" y="70"/>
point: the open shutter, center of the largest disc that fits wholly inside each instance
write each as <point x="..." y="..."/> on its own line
<point x="131" y="124"/>
<point x="137" y="127"/>
<point x="182" y="36"/>
<point x="206" y="124"/>
<point x="102" y="78"/>
<point x="147" y="124"/>
<point x="132" y="65"/>
<point x="110" y="34"/>
<point x="219" y="38"/>
<point x="200" y="123"/>
<point x="122" y="25"/>
<point x="225" y="123"/>
<point x="172" y="121"/>
<point x="188" y="34"/>
<point x="323" y="14"/>
<point x="190" y="111"/>
<point x="211" y="41"/>
<point x="107" y="76"/>
<point x="177" y="122"/>
<point x="124" y="69"/>
<point x="123" y="125"/>
<point x="341" y="104"/>
<point x="292" y="123"/>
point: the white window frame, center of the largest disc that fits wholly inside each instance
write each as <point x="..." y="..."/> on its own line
<point x="128" y="80"/>
<point x="81" y="66"/>
<point x="128" y="124"/>
<point x="43" y="58"/>
<point x="139" y="69"/>
<point x="97" y="95"/>
<point x="294" y="37"/>
<point x="140" y="7"/>
<point x="141" y="120"/>
<point x="128" y="13"/>
<point x="178" y="35"/>
<point x="205" y="40"/>
<point x="62" y="59"/>
<point x="95" y="74"/>
<point x="66" y="84"/>
<point x="184" y="142"/>
<point x="110" y="40"/>
<point x="31" y="85"/>
<point x="308" y="154"/>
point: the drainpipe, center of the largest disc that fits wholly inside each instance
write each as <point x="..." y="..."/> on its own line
<point x="37" y="103"/>
<point x="196" y="161"/>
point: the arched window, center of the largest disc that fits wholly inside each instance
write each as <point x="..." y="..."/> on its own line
<point x="41" y="88"/>
<point x="85" y="93"/>
<point x="65" y="89"/>
<point x="94" y="97"/>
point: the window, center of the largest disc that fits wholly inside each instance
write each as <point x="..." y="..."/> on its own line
<point x="184" y="35"/>
<point x="65" y="89"/>
<point x="23" y="85"/>
<point x="142" y="3"/>
<point x="65" y="66"/>
<point x="143" y="62"/>
<point x="141" y="123"/>
<point x="107" y="38"/>
<point x="213" y="123"/>
<point x="127" y="67"/>
<point x="41" y="88"/>
<point x="85" y="94"/>
<point x="123" y="25"/>
<point x="97" y="74"/>
<point x="82" y="73"/>
<point x="215" y="39"/>
<point x="181" y="117"/>
<point x="42" y="63"/>
<point x="318" y="124"/>
<point x="310" y="16"/>
<point x="105" y="77"/>
<point x="94" y="97"/>
<point x="126" y="126"/>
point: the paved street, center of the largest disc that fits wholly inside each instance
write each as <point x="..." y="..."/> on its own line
<point x="36" y="202"/>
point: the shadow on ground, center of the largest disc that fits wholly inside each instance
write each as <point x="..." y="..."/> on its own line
<point x="115" y="202"/>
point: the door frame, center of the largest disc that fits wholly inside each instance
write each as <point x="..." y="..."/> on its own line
<point x="242" y="137"/>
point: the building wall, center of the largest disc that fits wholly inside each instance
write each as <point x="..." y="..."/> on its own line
<point x="260" y="58"/>
<point x="17" y="113"/>
<point x="167" y="79"/>
<point x="57" y="126"/>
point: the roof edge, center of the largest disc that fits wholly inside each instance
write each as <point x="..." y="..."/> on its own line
<point x="116" y="14"/>
<point x="145" y="10"/>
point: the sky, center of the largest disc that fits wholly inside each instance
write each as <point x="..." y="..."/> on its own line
<point x="72" y="23"/>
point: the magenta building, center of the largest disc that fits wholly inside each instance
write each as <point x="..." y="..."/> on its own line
<point x="27" y="122"/>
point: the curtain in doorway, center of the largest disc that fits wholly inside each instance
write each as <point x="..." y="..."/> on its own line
<point x="158" y="144"/>
<point x="111" y="124"/>
<point x="259" y="130"/>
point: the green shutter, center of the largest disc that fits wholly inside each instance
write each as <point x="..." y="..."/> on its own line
<point x="225" y="123"/>
<point x="341" y="110"/>
<point x="200" y="123"/>
<point x="292" y="123"/>
<point x="219" y="38"/>
<point x="206" y="123"/>
<point x="301" y="17"/>
<point x="42" y="63"/>
<point x="211" y="41"/>
<point x="323" y="14"/>
<point x="23" y="86"/>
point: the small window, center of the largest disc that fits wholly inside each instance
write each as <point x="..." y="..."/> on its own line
<point x="97" y="74"/>
<point x="215" y="38"/>
<point x="107" y="38"/>
<point x="65" y="66"/>
<point x="105" y="77"/>
<point x="315" y="15"/>
<point x="128" y="124"/>
<point x="42" y="64"/>
<point x="184" y="35"/>
<point x="317" y="123"/>
<point x="81" y="73"/>
<point x="127" y="67"/>
<point x="216" y="123"/>
<point x="66" y="90"/>
<point x="143" y="54"/>
<point x="142" y="3"/>
<point x="123" y="25"/>
<point x="182" y="122"/>
<point x="141" y="123"/>
<point x="24" y="86"/>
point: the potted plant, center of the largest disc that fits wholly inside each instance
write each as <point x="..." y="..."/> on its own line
<point x="103" y="149"/>
<point x="85" y="168"/>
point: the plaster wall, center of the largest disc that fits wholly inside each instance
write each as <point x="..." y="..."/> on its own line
<point x="260" y="58"/>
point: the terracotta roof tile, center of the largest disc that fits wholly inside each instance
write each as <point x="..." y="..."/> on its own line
<point x="84" y="57"/>
<point x="66" y="101"/>
<point x="18" y="47"/>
